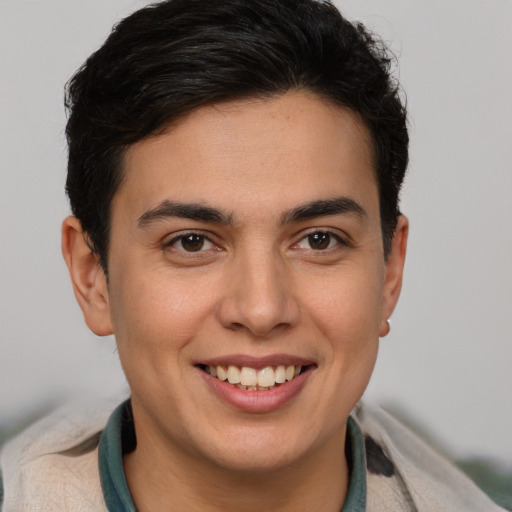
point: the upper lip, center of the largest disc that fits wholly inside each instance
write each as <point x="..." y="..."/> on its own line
<point x="256" y="362"/>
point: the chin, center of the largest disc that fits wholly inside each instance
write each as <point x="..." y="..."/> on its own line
<point x="258" y="450"/>
<point x="256" y="462"/>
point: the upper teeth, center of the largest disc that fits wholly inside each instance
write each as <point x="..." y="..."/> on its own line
<point x="265" y="378"/>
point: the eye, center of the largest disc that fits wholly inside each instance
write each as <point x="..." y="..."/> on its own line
<point x="191" y="242"/>
<point x="320" y="241"/>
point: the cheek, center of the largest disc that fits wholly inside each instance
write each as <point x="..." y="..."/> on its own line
<point x="346" y="309"/>
<point x="347" y="303"/>
<point x="155" y="315"/>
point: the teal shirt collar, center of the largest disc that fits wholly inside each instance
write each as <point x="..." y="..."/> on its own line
<point x="354" y="447"/>
<point x="119" y="437"/>
<point x="114" y="438"/>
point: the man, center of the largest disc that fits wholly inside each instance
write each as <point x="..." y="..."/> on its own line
<point x="234" y="172"/>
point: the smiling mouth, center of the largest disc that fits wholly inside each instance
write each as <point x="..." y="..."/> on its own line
<point x="251" y="379"/>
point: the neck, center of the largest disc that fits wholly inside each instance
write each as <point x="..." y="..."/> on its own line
<point x="158" y="477"/>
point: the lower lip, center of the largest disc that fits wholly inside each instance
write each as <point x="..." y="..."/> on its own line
<point x="257" y="401"/>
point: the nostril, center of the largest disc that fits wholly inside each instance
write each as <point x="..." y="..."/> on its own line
<point x="237" y="326"/>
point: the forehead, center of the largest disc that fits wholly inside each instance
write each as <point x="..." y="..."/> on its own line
<point x="290" y="148"/>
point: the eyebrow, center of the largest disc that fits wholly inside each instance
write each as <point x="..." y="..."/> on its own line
<point x="203" y="213"/>
<point x="193" y="211"/>
<point x="323" y="208"/>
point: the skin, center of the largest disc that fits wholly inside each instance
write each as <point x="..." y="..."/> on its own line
<point x="258" y="287"/>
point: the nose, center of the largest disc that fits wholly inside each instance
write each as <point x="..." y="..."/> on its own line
<point x="259" y="297"/>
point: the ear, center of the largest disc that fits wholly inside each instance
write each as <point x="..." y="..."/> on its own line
<point x="393" y="272"/>
<point x="87" y="277"/>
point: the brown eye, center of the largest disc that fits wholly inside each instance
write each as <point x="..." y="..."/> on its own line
<point x="319" y="240"/>
<point x="192" y="243"/>
<point x="191" y="246"/>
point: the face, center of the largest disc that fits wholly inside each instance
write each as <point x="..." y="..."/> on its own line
<point x="246" y="245"/>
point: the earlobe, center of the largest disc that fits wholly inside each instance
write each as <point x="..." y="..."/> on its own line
<point x="87" y="277"/>
<point x="394" y="268"/>
<point x="385" y="327"/>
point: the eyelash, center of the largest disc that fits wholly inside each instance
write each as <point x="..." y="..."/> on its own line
<point x="332" y="236"/>
<point x="204" y="239"/>
<point x="183" y="236"/>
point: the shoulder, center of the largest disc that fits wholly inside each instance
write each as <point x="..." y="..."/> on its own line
<point x="398" y="460"/>
<point x="53" y="465"/>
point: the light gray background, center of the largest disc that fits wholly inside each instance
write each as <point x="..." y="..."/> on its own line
<point x="448" y="359"/>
